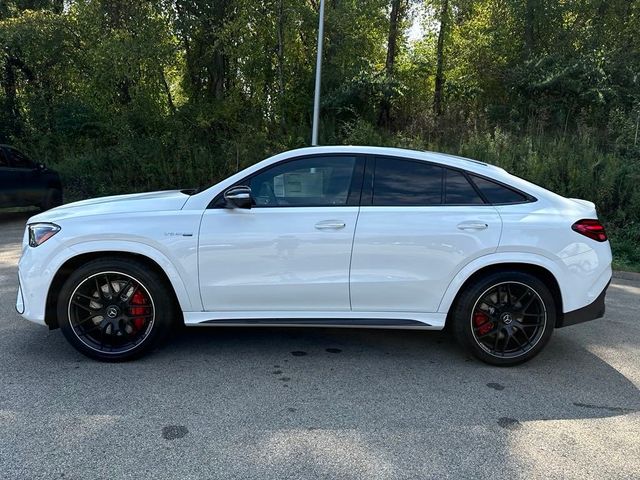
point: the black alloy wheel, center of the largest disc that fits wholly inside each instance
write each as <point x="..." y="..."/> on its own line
<point x="508" y="320"/>
<point x="504" y="318"/>
<point x="116" y="309"/>
<point x="111" y="312"/>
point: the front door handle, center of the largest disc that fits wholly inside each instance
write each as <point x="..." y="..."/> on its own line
<point x="330" y="225"/>
<point x="472" y="226"/>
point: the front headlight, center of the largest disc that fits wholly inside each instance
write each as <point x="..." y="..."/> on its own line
<point x="41" y="232"/>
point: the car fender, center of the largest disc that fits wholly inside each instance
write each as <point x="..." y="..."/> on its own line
<point x="187" y="302"/>
<point x="492" y="260"/>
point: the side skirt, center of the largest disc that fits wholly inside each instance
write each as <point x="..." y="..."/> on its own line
<point x="393" y="320"/>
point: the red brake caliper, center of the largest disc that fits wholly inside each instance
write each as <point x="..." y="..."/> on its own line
<point x="481" y="320"/>
<point x="138" y="299"/>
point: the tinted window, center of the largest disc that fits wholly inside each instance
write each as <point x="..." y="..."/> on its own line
<point x="18" y="160"/>
<point x="496" y="193"/>
<point x="458" y="190"/>
<point x="404" y="182"/>
<point x="315" y="181"/>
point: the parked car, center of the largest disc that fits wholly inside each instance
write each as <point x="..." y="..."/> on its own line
<point x="24" y="183"/>
<point x="324" y="236"/>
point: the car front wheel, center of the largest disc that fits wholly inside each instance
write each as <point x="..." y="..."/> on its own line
<point x="115" y="309"/>
<point x="505" y="318"/>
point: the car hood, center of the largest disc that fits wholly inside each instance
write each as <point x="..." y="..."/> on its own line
<point x="136" y="202"/>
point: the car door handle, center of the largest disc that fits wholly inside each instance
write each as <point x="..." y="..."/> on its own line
<point x="330" y="225"/>
<point x="472" y="226"/>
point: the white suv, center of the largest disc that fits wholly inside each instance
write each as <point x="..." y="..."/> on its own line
<point x="324" y="236"/>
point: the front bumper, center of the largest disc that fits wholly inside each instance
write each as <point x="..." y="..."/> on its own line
<point x="592" y="311"/>
<point x="20" y="300"/>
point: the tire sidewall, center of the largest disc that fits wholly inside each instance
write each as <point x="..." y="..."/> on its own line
<point x="152" y="282"/>
<point x="465" y="303"/>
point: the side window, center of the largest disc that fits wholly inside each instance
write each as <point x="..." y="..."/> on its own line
<point x="3" y="159"/>
<point x="496" y="193"/>
<point x="307" y="182"/>
<point x="18" y="160"/>
<point x="400" y="182"/>
<point x="458" y="190"/>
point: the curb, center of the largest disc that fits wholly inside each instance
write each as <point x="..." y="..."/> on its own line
<point x="627" y="275"/>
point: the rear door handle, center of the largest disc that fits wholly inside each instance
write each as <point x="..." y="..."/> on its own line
<point x="472" y="226"/>
<point x="330" y="225"/>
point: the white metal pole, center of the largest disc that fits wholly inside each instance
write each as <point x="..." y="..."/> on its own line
<point x="316" y="97"/>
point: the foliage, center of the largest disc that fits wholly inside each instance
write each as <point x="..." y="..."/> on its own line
<point x="127" y="96"/>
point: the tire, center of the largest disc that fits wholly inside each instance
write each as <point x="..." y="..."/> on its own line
<point x="52" y="199"/>
<point x="492" y="320"/>
<point x="112" y="309"/>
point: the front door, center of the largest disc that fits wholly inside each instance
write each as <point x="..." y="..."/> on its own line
<point x="291" y="251"/>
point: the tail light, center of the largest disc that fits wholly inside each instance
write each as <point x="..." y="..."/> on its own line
<point x="590" y="228"/>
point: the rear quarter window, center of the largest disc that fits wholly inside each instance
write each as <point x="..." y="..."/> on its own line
<point x="497" y="193"/>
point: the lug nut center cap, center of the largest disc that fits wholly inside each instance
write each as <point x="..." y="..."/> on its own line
<point x="113" y="311"/>
<point x="507" y="318"/>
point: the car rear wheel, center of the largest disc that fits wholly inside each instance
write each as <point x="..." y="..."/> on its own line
<point x="115" y="310"/>
<point x="505" y="318"/>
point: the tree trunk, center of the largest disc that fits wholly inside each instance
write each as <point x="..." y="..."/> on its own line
<point x="281" y="62"/>
<point x="167" y="91"/>
<point x="384" y="118"/>
<point x="10" y="103"/>
<point x="529" y="17"/>
<point x="437" y="94"/>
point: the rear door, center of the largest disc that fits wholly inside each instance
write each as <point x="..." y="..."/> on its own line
<point x="419" y="224"/>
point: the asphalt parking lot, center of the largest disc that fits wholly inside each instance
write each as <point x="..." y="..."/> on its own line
<point x="316" y="403"/>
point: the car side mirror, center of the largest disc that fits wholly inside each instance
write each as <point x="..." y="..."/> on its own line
<point x="239" y="197"/>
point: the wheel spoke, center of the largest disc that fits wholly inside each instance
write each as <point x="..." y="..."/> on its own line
<point x="525" y="308"/>
<point x="495" y="331"/>
<point x="522" y="297"/>
<point x="87" y="297"/>
<point x="489" y="303"/>
<point x="495" y="346"/>
<point x="128" y="300"/>
<point x="84" y="320"/>
<point x="527" y="325"/>
<point x="526" y="337"/>
<point x="124" y="290"/>
<point x="109" y="286"/>
<point x="518" y="342"/>
<point x="79" y="305"/>
<point x="505" y="343"/>
<point x="90" y="330"/>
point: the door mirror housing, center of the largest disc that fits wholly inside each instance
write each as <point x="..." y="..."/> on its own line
<point x="238" y="197"/>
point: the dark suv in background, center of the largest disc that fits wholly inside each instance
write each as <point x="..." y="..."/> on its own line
<point x="25" y="183"/>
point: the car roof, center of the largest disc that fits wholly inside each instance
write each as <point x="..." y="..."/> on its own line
<point x="435" y="157"/>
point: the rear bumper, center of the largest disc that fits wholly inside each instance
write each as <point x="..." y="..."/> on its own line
<point x="589" y="312"/>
